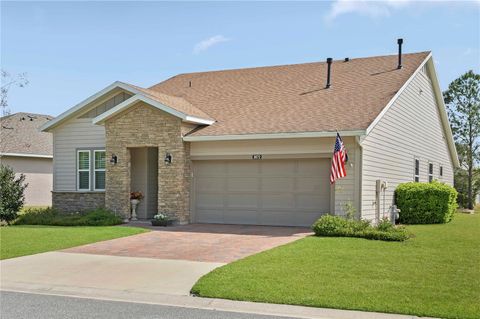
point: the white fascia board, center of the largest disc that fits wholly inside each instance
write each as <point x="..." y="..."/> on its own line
<point x="269" y="136"/>
<point x="141" y="97"/>
<point x="72" y="111"/>
<point x="443" y="113"/>
<point x="395" y="97"/>
<point x="26" y="155"/>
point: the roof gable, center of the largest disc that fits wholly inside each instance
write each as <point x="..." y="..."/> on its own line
<point x="170" y="104"/>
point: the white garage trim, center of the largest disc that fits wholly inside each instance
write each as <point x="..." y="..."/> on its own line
<point x="264" y="156"/>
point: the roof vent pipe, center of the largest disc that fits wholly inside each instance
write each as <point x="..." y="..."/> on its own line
<point x="329" y="68"/>
<point x="400" y="42"/>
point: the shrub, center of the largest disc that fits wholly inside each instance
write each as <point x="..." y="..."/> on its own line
<point x="337" y="226"/>
<point x="426" y="203"/>
<point x="52" y="217"/>
<point x="11" y="193"/>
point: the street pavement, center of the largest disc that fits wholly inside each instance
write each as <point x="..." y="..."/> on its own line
<point x="15" y="305"/>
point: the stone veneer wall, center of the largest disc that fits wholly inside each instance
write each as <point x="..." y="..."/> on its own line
<point x="71" y="202"/>
<point x="145" y="126"/>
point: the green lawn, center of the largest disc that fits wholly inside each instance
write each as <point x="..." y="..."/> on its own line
<point x="437" y="273"/>
<point x="18" y="241"/>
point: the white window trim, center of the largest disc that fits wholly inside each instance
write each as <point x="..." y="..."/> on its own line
<point x="415" y="159"/>
<point x="432" y="173"/>
<point x="84" y="170"/>
<point x="95" y="170"/>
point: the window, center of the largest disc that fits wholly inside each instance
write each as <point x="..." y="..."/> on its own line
<point x="416" y="175"/>
<point x="83" y="170"/>
<point x="441" y="171"/>
<point x="430" y="172"/>
<point x="91" y="170"/>
<point x="99" y="170"/>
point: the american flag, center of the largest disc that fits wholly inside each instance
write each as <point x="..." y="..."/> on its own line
<point x="339" y="159"/>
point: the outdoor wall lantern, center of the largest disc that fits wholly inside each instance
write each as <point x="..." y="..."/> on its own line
<point x="168" y="158"/>
<point x="114" y="159"/>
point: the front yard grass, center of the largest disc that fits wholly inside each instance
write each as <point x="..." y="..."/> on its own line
<point x="436" y="273"/>
<point x="18" y="241"/>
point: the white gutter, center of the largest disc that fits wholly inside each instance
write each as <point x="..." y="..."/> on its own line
<point x="26" y="155"/>
<point x="271" y="136"/>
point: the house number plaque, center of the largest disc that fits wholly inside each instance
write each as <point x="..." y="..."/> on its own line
<point x="257" y="156"/>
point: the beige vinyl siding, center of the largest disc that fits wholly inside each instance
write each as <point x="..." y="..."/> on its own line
<point x="67" y="139"/>
<point x="410" y="129"/>
<point x="345" y="190"/>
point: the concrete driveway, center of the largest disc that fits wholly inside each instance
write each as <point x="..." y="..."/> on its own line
<point x="163" y="261"/>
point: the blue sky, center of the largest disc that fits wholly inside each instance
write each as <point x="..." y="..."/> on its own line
<point x="70" y="50"/>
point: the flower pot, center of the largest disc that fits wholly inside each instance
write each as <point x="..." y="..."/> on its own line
<point x="160" y="222"/>
<point x="134" y="203"/>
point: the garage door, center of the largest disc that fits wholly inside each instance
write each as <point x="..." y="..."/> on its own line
<point x="293" y="192"/>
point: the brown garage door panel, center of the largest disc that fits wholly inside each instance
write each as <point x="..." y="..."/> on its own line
<point x="293" y="192"/>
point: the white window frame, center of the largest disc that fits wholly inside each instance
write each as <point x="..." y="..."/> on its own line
<point x="430" y="175"/>
<point x="95" y="170"/>
<point x="84" y="170"/>
<point x="416" y="176"/>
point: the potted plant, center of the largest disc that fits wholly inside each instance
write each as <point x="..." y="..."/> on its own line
<point x="161" y="219"/>
<point x="135" y="198"/>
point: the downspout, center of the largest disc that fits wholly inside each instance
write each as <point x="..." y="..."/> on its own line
<point x="359" y="170"/>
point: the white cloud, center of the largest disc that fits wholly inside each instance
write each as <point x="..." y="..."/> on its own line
<point x="373" y="9"/>
<point x="208" y="43"/>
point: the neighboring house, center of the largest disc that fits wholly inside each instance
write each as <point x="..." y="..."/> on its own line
<point x="253" y="146"/>
<point x="27" y="150"/>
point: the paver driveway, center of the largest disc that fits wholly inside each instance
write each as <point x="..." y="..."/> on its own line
<point x="197" y="242"/>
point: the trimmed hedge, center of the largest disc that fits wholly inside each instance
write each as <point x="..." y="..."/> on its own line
<point x="426" y="203"/>
<point x="337" y="226"/>
<point x="52" y="217"/>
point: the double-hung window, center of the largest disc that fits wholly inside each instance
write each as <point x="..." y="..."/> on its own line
<point x="83" y="170"/>
<point x="416" y="174"/>
<point x="430" y="172"/>
<point x="91" y="170"/>
<point x="99" y="170"/>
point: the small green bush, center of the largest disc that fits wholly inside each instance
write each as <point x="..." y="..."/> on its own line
<point x="52" y="217"/>
<point x="12" y="189"/>
<point x="337" y="226"/>
<point x="426" y="203"/>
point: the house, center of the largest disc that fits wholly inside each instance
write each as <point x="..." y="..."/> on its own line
<point x="253" y="146"/>
<point x="27" y="150"/>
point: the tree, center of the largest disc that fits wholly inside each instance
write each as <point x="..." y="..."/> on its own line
<point x="12" y="195"/>
<point x="463" y="103"/>
<point x="8" y="81"/>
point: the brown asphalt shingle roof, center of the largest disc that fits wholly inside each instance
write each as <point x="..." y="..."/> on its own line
<point x="19" y="133"/>
<point x="175" y="102"/>
<point x="293" y="98"/>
